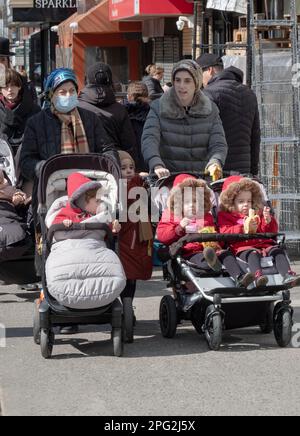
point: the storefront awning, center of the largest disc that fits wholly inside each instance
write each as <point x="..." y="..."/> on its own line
<point x="139" y="9"/>
<point x="96" y="20"/>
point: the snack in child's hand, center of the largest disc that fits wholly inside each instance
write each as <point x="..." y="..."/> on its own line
<point x="251" y="222"/>
<point x="212" y="244"/>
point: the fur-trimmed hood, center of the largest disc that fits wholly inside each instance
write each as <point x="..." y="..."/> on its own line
<point x="170" y="106"/>
<point x="229" y="194"/>
<point x="178" y="192"/>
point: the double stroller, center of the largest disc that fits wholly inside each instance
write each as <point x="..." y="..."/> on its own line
<point x="49" y="311"/>
<point x="217" y="303"/>
<point x="17" y="244"/>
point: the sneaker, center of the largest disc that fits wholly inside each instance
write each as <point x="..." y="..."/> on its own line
<point x="69" y="330"/>
<point x="291" y="279"/>
<point x="212" y="259"/>
<point x="243" y="281"/>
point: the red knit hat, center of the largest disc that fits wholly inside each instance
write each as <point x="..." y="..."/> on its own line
<point x="181" y="178"/>
<point x="230" y="180"/>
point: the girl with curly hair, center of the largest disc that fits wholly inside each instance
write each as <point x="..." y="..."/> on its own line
<point x="189" y="212"/>
<point x="242" y="211"/>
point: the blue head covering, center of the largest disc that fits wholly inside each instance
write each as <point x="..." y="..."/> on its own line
<point x="55" y="79"/>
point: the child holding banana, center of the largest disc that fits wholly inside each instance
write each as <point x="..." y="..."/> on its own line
<point x="242" y="212"/>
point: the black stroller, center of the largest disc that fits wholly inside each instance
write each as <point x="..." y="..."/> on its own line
<point x="17" y="240"/>
<point x="48" y="312"/>
<point x="217" y="303"/>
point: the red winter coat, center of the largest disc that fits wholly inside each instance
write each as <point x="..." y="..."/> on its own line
<point x="170" y="231"/>
<point x="136" y="256"/>
<point x="234" y="223"/>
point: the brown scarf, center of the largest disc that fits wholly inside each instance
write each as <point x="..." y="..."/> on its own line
<point x="73" y="137"/>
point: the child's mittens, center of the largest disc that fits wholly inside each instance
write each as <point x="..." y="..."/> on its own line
<point x="212" y="244"/>
<point x="251" y="222"/>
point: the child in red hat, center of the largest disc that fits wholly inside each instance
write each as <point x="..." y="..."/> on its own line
<point x="242" y="212"/>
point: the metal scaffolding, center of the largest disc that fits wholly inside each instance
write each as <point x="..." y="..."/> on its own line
<point x="277" y="89"/>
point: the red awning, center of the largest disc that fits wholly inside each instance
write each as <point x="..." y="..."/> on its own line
<point x="137" y="9"/>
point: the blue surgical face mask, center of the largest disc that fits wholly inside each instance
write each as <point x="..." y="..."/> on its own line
<point x="65" y="104"/>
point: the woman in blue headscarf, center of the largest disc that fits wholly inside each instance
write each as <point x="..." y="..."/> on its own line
<point x="61" y="127"/>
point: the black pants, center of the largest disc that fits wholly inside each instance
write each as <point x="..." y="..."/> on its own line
<point x="129" y="290"/>
<point x="253" y="259"/>
<point x="226" y="258"/>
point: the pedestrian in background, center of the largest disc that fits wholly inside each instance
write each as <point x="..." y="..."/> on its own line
<point x="239" y="113"/>
<point x="153" y="80"/>
<point x="98" y="96"/>
<point x="138" y="109"/>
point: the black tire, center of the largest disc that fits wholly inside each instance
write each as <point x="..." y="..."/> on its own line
<point x="47" y="342"/>
<point x="117" y="338"/>
<point x="283" y="328"/>
<point x="36" y="323"/>
<point x="168" y="317"/>
<point x="214" y="329"/>
<point x="267" y="326"/>
<point x="128" y="320"/>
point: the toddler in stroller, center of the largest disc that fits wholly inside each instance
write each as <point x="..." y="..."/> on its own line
<point x="82" y="278"/>
<point x="218" y="302"/>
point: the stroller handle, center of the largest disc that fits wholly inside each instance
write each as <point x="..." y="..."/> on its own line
<point x="216" y="237"/>
<point x="79" y="226"/>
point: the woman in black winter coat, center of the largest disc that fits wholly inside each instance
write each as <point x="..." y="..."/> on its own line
<point x="16" y="107"/>
<point x="154" y="76"/>
<point x="98" y="96"/>
<point x="138" y="109"/>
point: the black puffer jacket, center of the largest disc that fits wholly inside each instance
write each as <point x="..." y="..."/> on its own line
<point x="154" y="87"/>
<point x="239" y="113"/>
<point x="114" y="116"/>
<point x="13" y="121"/>
<point x="138" y="113"/>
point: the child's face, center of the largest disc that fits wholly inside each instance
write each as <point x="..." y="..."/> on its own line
<point x="92" y="205"/>
<point x="127" y="169"/>
<point x="243" y="202"/>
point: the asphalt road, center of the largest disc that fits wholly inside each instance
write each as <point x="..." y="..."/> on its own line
<point x="250" y="375"/>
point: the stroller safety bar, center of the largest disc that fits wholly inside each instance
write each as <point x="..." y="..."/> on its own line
<point x="216" y="237"/>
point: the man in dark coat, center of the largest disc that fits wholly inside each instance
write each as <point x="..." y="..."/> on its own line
<point x="98" y="96"/>
<point x="238" y="111"/>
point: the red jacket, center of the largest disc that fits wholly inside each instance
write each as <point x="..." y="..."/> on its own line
<point x="135" y="255"/>
<point x="170" y="231"/>
<point x="234" y="223"/>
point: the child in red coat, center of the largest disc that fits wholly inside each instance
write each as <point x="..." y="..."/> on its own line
<point x="242" y="211"/>
<point x="135" y="238"/>
<point x="188" y="214"/>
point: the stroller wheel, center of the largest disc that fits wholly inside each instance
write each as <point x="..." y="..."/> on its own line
<point x="283" y="326"/>
<point x="267" y="326"/>
<point x="47" y="342"/>
<point x="128" y="320"/>
<point x="36" y="323"/>
<point x="213" y="328"/>
<point x="117" y="338"/>
<point x="168" y="317"/>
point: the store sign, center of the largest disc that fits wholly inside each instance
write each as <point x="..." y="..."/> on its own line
<point x="239" y="6"/>
<point x="53" y="4"/>
<point x="125" y="9"/>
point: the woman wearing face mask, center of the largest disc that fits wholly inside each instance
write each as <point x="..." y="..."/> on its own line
<point x="61" y="128"/>
<point x="183" y="132"/>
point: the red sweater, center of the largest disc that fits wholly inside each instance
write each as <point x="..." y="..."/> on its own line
<point x="234" y="223"/>
<point x="170" y="231"/>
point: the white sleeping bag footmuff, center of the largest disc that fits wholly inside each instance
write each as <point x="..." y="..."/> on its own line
<point x="84" y="274"/>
